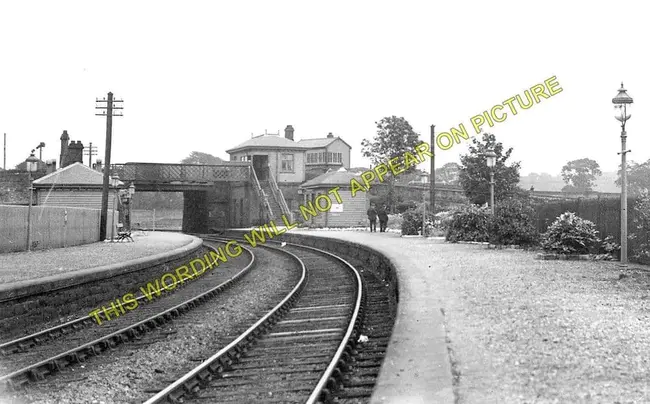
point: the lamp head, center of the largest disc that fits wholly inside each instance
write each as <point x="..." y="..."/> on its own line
<point x="622" y="97"/>
<point x="131" y="189"/>
<point x="32" y="163"/>
<point x="491" y="158"/>
<point x="115" y="180"/>
<point x="621" y="102"/>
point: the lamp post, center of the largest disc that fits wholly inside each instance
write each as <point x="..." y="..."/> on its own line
<point x="491" y="159"/>
<point x="127" y="211"/>
<point x="115" y="181"/>
<point x="424" y="177"/>
<point x="32" y="166"/>
<point x="620" y="102"/>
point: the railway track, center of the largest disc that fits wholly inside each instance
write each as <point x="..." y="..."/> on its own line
<point x="297" y="352"/>
<point x="30" y="358"/>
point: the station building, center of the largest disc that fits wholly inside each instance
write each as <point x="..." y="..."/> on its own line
<point x="281" y="165"/>
<point x="350" y="212"/>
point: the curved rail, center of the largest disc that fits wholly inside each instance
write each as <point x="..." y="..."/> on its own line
<point x="355" y="321"/>
<point x="189" y="382"/>
<point x="23" y="343"/>
<point x="331" y="377"/>
<point x="39" y="370"/>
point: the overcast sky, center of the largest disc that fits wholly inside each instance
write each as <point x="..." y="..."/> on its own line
<point x="205" y="75"/>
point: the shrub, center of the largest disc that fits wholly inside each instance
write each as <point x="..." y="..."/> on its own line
<point x="641" y="235"/>
<point x="468" y="223"/>
<point x="404" y="206"/>
<point x="412" y="223"/>
<point x="570" y="234"/>
<point x="514" y="222"/>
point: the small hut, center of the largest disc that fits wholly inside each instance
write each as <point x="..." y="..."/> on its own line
<point x="351" y="212"/>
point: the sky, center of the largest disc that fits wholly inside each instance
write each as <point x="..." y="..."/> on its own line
<point x="205" y="75"/>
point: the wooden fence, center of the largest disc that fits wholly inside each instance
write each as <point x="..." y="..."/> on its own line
<point x="52" y="227"/>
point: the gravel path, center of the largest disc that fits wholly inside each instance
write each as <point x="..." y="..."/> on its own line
<point x="160" y="357"/>
<point x="21" y="266"/>
<point x="525" y="331"/>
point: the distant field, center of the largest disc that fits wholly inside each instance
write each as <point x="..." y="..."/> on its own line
<point x="166" y="219"/>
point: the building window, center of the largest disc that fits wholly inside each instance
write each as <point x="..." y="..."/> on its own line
<point x="242" y="158"/>
<point x="340" y="157"/>
<point x="329" y="157"/>
<point x="287" y="163"/>
<point x="233" y="158"/>
<point x="320" y="157"/>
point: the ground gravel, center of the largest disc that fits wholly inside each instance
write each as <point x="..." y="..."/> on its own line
<point x="164" y="355"/>
<point x="528" y="331"/>
<point x="20" y="266"/>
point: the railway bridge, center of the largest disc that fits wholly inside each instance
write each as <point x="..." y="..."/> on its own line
<point x="214" y="196"/>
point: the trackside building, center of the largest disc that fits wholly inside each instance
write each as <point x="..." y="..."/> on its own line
<point x="351" y="212"/>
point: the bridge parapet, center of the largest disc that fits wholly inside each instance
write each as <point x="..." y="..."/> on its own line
<point x="155" y="173"/>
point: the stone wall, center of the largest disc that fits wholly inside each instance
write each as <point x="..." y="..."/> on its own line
<point x="40" y="300"/>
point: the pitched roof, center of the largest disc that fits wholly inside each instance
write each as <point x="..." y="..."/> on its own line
<point x="320" y="142"/>
<point x="339" y="177"/>
<point x="74" y="174"/>
<point x="267" y="141"/>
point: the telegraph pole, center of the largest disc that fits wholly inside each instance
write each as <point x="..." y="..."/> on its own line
<point x="92" y="151"/>
<point x="433" y="173"/>
<point x="4" y="161"/>
<point x="107" y="110"/>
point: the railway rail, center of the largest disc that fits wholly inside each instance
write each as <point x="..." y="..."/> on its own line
<point x="29" y="358"/>
<point x="297" y="352"/>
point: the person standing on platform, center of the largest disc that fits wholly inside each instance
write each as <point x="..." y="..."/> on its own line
<point x="372" y="216"/>
<point x="383" y="219"/>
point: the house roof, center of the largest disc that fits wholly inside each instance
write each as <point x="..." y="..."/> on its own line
<point x="74" y="174"/>
<point x="339" y="177"/>
<point x="267" y="142"/>
<point x="320" y="142"/>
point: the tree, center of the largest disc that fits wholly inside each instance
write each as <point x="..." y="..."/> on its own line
<point x="474" y="173"/>
<point x="579" y="175"/>
<point x="201" y="158"/>
<point x="394" y="137"/>
<point x="638" y="177"/>
<point x="448" y="174"/>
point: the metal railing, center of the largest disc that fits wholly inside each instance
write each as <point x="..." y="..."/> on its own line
<point x="260" y="192"/>
<point x="279" y="196"/>
<point x="165" y="173"/>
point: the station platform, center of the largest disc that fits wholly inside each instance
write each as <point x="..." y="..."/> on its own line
<point x="417" y="367"/>
<point x="47" y="287"/>
<point x="22" y="266"/>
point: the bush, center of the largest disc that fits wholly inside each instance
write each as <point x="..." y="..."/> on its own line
<point x="468" y="223"/>
<point x="570" y="234"/>
<point x="514" y="222"/>
<point x="641" y="235"/>
<point x="404" y="206"/>
<point x="412" y="223"/>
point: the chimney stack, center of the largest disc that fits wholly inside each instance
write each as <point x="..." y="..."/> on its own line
<point x="288" y="132"/>
<point x="64" y="148"/>
<point x="329" y="135"/>
<point x="75" y="153"/>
